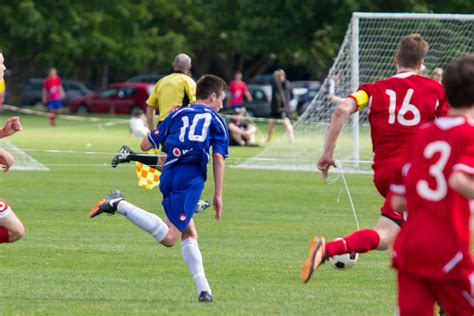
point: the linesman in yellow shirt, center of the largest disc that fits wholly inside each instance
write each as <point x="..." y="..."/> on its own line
<point x="175" y="90"/>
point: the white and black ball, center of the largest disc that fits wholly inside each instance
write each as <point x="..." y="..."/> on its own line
<point x="345" y="261"/>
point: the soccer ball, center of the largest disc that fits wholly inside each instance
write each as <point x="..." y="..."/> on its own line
<point x="345" y="261"/>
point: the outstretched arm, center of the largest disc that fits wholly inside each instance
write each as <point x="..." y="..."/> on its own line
<point x="218" y="167"/>
<point x="342" y="112"/>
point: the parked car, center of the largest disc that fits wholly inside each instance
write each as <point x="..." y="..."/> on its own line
<point x="31" y="94"/>
<point x="305" y="99"/>
<point x="145" y="78"/>
<point x="115" y="98"/>
<point x="259" y="106"/>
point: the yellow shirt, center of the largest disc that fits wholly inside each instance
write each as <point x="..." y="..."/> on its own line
<point x="171" y="90"/>
<point x="2" y="86"/>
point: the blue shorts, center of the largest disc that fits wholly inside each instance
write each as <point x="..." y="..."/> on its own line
<point x="54" y="105"/>
<point x="181" y="186"/>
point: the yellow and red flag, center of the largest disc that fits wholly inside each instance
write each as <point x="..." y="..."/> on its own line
<point x="148" y="177"/>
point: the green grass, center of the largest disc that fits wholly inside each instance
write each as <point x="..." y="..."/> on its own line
<point x="68" y="264"/>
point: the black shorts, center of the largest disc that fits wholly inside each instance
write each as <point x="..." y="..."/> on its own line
<point x="278" y="115"/>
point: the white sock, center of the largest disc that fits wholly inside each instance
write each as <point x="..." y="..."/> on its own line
<point x="193" y="258"/>
<point x="149" y="222"/>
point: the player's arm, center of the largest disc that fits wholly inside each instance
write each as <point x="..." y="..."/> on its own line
<point x="150" y="117"/>
<point x="342" y="112"/>
<point x="6" y="160"/>
<point x="462" y="183"/>
<point x="151" y="107"/>
<point x="247" y="94"/>
<point x="218" y="164"/>
<point x="62" y="94"/>
<point x="461" y="179"/>
<point x="44" y="95"/>
<point x="12" y="125"/>
<point x="146" y="144"/>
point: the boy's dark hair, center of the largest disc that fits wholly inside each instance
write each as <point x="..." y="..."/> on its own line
<point x="138" y="113"/>
<point x="209" y="84"/>
<point x="412" y="49"/>
<point x="458" y="81"/>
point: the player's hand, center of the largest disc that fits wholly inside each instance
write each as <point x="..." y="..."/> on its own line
<point x="12" y="125"/>
<point x="6" y="160"/>
<point x="217" y="202"/>
<point x="324" y="163"/>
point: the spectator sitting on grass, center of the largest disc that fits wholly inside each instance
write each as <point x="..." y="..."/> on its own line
<point x="241" y="132"/>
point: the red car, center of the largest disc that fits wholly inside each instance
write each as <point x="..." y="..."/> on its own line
<point x="115" y="98"/>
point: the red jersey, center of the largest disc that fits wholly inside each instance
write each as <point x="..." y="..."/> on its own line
<point x="397" y="107"/>
<point x="52" y="86"/>
<point x="237" y="90"/>
<point x="435" y="240"/>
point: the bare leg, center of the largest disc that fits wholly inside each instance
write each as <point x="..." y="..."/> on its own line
<point x="289" y="129"/>
<point x="271" y="127"/>
<point x="15" y="227"/>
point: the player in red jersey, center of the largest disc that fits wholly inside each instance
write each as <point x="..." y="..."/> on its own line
<point x="398" y="106"/>
<point x="432" y="250"/>
<point x="11" y="228"/>
<point x="237" y="90"/>
<point x="53" y="94"/>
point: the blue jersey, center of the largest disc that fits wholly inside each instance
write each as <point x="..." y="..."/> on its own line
<point x="188" y="134"/>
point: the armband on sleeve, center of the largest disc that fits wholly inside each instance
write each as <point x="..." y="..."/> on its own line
<point x="362" y="99"/>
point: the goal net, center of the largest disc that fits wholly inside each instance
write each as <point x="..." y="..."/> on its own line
<point x="366" y="55"/>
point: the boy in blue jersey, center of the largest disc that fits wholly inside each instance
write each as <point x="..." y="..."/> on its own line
<point x="188" y="134"/>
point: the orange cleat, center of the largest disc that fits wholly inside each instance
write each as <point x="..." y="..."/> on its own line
<point x="316" y="257"/>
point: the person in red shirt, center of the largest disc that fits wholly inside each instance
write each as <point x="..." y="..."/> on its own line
<point x="432" y="250"/>
<point x="53" y="94"/>
<point x="237" y="90"/>
<point x="397" y="106"/>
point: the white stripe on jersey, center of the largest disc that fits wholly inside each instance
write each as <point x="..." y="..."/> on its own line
<point x="453" y="262"/>
<point x="446" y="123"/>
<point x="462" y="167"/>
<point x="403" y="75"/>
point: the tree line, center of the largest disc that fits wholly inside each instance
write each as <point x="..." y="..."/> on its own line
<point x="97" y="41"/>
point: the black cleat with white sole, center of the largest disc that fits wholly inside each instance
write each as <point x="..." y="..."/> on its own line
<point x="205" y="297"/>
<point x="107" y="205"/>
<point x="122" y="156"/>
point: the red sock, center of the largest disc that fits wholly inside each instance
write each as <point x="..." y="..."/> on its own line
<point x="360" y="241"/>
<point x="52" y="118"/>
<point x="3" y="235"/>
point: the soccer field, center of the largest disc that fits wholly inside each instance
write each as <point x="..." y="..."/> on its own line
<point x="68" y="264"/>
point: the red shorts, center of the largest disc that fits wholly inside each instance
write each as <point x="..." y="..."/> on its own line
<point x="383" y="177"/>
<point x="417" y="296"/>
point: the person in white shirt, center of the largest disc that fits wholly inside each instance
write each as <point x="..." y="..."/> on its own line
<point x="138" y="126"/>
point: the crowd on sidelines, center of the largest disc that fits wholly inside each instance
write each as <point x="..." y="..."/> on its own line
<point x="428" y="189"/>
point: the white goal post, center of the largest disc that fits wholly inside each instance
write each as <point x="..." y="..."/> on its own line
<point x="366" y="55"/>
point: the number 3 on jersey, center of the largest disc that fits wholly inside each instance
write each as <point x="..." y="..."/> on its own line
<point x="436" y="171"/>
<point x="406" y="107"/>
<point x="204" y="119"/>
